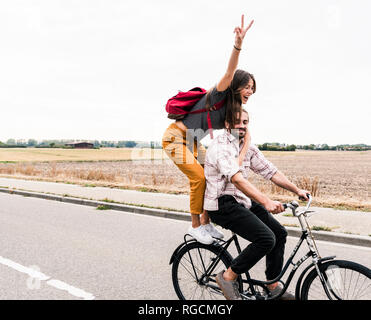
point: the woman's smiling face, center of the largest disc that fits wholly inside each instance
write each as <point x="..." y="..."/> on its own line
<point x="247" y="91"/>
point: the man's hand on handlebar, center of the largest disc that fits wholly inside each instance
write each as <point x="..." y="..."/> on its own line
<point x="303" y="194"/>
<point x="274" y="206"/>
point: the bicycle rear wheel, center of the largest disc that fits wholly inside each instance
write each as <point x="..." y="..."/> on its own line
<point x="345" y="280"/>
<point x="189" y="272"/>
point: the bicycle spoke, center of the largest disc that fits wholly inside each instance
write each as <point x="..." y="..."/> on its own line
<point x="344" y="283"/>
<point x="365" y="291"/>
<point x="202" y="260"/>
<point x="335" y="288"/>
<point x="350" y="282"/>
<point x="192" y="267"/>
<point x="194" y="292"/>
<point x="354" y="287"/>
<point x="363" y="288"/>
<point x="190" y="263"/>
<point x="189" y="271"/>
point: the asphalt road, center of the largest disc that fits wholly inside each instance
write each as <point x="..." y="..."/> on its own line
<point x="52" y="250"/>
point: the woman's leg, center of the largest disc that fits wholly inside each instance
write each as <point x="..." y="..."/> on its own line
<point x="185" y="156"/>
<point x="199" y="153"/>
<point x="195" y="220"/>
<point x="175" y="145"/>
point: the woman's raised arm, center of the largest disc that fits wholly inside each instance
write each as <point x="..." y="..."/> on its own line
<point x="240" y="32"/>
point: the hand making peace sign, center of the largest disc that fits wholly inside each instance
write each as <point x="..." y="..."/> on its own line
<point x="241" y="32"/>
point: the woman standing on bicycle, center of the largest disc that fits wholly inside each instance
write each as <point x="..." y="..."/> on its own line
<point x="181" y="139"/>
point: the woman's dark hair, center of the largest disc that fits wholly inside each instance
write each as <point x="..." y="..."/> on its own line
<point x="233" y="98"/>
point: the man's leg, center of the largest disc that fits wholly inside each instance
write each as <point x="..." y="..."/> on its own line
<point x="235" y="217"/>
<point x="274" y="259"/>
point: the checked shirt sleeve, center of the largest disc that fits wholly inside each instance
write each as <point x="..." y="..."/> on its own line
<point x="227" y="162"/>
<point x="260" y="165"/>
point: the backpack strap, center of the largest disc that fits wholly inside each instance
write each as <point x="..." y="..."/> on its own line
<point x="217" y="107"/>
<point x="209" y="125"/>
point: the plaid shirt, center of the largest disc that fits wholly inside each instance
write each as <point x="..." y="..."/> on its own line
<point x="221" y="164"/>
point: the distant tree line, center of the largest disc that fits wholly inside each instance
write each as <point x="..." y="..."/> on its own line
<point x="275" y="146"/>
<point x="339" y="147"/>
<point x="268" y="146"/>
<point x="12" y="143"/>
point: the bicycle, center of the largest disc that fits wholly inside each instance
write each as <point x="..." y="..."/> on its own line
<point x="195" y="266"/>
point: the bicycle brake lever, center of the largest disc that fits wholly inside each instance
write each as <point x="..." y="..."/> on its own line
<point x="290" y="205"/>
<point x="295" y="204"/>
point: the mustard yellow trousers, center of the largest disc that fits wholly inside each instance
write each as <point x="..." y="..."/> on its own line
<point x="188" y="156"/>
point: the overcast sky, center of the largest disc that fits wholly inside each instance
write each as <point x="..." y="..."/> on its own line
<point x="104" y="69"/>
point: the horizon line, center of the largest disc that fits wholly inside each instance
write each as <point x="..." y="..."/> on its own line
<point x="26" y="141"/>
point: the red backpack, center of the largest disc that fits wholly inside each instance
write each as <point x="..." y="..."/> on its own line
<point x="181" y="104"/>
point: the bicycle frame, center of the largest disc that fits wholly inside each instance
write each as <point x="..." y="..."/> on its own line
<point x="252" y="282"/>
<point x="311" y="253"/>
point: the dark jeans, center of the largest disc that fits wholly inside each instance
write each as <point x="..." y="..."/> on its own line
<point x="257" y="225"/>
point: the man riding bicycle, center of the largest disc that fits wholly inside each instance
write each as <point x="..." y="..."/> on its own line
<point x="235" y="204"/>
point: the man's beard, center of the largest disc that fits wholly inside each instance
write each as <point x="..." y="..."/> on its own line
<point x="237" y="133"/>
<point x="241" y="135"/>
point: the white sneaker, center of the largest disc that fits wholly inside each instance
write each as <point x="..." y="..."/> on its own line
<point x="201" y="235"/>
<point x="215" y="233"/>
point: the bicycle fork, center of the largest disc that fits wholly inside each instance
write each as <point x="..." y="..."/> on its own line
<point x="313" y="247"/>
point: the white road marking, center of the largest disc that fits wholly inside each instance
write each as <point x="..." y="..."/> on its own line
<point x="51" y="282"/>
<point x="16" y="266"/>
<point x="72" y="290"/>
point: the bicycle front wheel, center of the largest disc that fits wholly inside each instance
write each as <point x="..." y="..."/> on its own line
<point x="192" y="278"/>
<point x="345" y="280"/>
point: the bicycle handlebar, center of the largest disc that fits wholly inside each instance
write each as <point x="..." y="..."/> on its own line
<point x="293" y="205"/>
<point x="309" y="201"/>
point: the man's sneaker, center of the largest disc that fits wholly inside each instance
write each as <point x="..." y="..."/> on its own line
<point x="215" y="233"/>
<point x="229" y="288"/>
<point x="201" y="235"/>
<point x="286" y="296"/>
